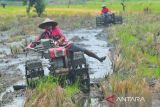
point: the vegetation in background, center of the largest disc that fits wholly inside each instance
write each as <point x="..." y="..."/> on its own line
<point x="135" y="57"/>
<point x="39" y="5"/>
<point x="138" y="40"/>
<point x="91" y="7"/>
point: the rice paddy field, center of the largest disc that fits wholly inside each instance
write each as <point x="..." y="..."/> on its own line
<point x="135" y="52"/>
<point x="91" y="7"/>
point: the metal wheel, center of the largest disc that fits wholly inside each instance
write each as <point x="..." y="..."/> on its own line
<point x="27" y="76"/>
<point x="85" y="81"/>
<point x="118" y="20"/>
<point x="33" y="71"/>
<point x="99" y="21"/>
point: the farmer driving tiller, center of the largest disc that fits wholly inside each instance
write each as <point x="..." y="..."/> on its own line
<point x="105" y="10"/>
<point x="66" y="59"/>
<point x="107" y="18"/>
<point x="52" y="31"/>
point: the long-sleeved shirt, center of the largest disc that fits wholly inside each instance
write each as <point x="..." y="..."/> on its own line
<point x="56" y="34"/>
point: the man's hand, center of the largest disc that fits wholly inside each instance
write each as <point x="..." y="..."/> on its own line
<point x="56" y="43"/>
<point x="35" y="43"/>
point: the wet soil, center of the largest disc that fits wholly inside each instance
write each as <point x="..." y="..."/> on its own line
<point x="10" y="74"/>
<point x="12" y="65"/>
<point x="12" y="68"/>
<point x="7" y="80"/>
<point x="95" y="41"/>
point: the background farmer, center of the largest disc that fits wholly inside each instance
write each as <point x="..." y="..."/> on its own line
<point x="105" y="10"/>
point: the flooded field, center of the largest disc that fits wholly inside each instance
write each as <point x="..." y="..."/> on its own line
<point x="14" y="65"/>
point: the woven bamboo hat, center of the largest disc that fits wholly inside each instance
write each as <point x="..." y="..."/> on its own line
<point x="47" y="22"/>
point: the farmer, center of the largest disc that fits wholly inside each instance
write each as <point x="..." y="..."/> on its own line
<point x="52" y="31"/>
<point x="105" y="10"/>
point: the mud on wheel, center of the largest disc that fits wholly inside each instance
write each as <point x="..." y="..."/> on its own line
<point x="118" y="20"/>
<point x="108" y="20"/>
<point x="80" y="71"/>
<point x="33" y="71"/>
<point x="99" y="21"/>
<point x="85" y="81"/>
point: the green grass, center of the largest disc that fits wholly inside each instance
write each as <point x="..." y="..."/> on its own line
<point x="152" y="59"/>
<point x="126" y="37"/>
<point x="51" y="82"/>
<point x="144" y="71"/>
<point x="71" y="90"/>
<point x="49" y="88"/>
<point x="137" y="40"/>
<point x="89" y="8"/>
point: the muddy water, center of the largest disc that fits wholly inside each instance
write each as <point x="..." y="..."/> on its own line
<point x="86" y="38"/>
<point x="97" y="69"/>
<point x="16" y="66"/>
<point x="19" y="100"/>
<point x="13" y="66"/>
<point x="89" y="41"/>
